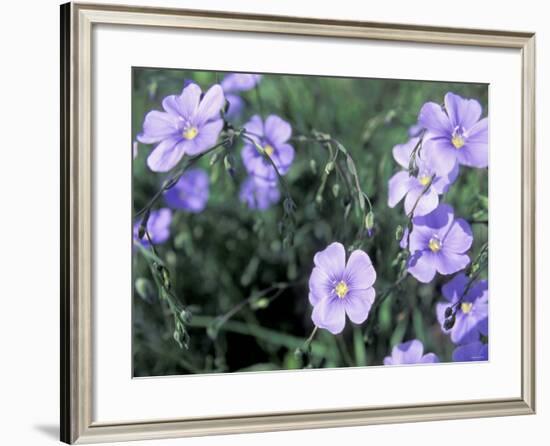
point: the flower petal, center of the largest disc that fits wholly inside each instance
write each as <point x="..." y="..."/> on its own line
<point x="429" y="358"/>
<point x="465" y="329"/>
<point x="398" y="186"/>
<point x="255" y="128"/>
<point x="358" y="304"/>
<point x="433" y="118"/>
<point x="459" y="238"/>
<point x="474" y="351"/>
<point x="330" y="314"/>
<point x="158" y="126"/>
<point x="332" y="260"/>
<point x="277" y="131"/>
<point x="409" y="352"/>
<point x="421" y="266"/>
<point x="320" y="286"/>
<point x="462" y="112"/>
<point x="210" y="106"/>
<point x="188" y="100"/>
<point x="283" y="156"/>
<point x="236" y="105"/>
<point x="359" y="273"/>
<point x="439" y="220"/>
<point x="441" y="183"/>
<point x="402" y="152"/>
<point x="206" y="138"/>
<point x="440" y="154"/>
<point x="475" y="152"/>
<point x="447" y="262"/>
<point x="166" y="155"/>
<point x="427" y="201"/>
<point x="454" y="288"/>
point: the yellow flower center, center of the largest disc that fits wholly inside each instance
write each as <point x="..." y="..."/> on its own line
<point x="466" y="307"/>
<point x="458" y="141"/>
<point x="434" y="244"/>
<point x="425" y="180"/>
<point x="268" y="150"/>
<point x="190" y="133"/>
<point x="341" y="289"/>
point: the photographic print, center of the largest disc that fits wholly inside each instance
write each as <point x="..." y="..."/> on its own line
<point x="285" y="222"/>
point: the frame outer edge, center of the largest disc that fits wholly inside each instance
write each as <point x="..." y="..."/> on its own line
<point x="529" y="224"/>
<point x="65" y="301"/>
<point x="76" y="159"/>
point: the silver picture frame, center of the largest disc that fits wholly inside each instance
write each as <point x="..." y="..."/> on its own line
<point x="77" y="22"/>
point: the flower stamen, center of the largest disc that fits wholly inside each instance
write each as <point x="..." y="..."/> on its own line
<point x="466" y="307"/>
<point x="434" y="244"/>
<point x="268" y="149"/>
<point x="424" y="180"/>
<point x="341" y="289"/>
<point x="190" y="133"/>
<point x="457" y="138"/>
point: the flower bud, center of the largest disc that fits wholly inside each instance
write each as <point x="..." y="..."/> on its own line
<point x="449" y="322"/>
<point x="313" y="166"/>
<point x="448" y="312"/>
<point x="369" y="221"/>
<point x="335" y="190"/>
<point x="185" y="316"/>
<point x="399" y="233"/>
<point x="329" y="166"/>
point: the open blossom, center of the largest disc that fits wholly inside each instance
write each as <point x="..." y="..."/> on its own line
<point x="188" y="126"/>
<point x="456" y="134"/>
<point x="421" y="192"/>
<point x="272" y="136"/>
<point x="190" y="193"/>
<point x="337" y="288"/>
<point x="258" y="195"/>
<point x="158" y="227"/>
<point x="471" y="313"/>
<point x="233" y="84"/>
<point x="410" y="352"/>
<point x="438" y="243"/>
<point x="474" y="351"/>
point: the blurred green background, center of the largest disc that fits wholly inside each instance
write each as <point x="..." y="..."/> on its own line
<point x="229" y="254"/>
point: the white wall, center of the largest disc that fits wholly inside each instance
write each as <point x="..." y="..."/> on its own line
<point x="29" y="180"/>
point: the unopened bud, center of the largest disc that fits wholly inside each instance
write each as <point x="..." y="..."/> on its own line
<point x="449" y="322"/>
<point x="399" y="233"/>
<point x="369" y="221"/>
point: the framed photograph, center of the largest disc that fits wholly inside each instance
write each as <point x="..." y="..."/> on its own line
<point x="275" y="223"/>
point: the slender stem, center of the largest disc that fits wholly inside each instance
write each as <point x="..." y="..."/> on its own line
<point x="173" y="179"/>
<point x="278" y="287"/>
<point x="344" y="351"/>
<point x="426" y="188"/>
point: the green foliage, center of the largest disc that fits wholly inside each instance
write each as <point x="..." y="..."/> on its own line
<point x="243" y="274"/>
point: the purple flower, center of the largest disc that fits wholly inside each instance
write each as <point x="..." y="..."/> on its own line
<point x="414" y="188"/>
<point x="272" y="137"/>
<point x="410" y="352"/>
<point x="258" y="195"/>
<point x="474" y="351"/>
<point x="158" y="227"/>
<point x="189" y="125"/>
<point x="337" y="288"/>
<point x="235" y="83"/>
<point x="472" y="311"/>
<point x="190" y="192"/>
<point x="438" y="243"/>
<point x="457" y="135"/>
